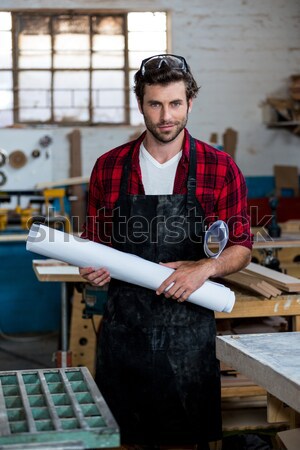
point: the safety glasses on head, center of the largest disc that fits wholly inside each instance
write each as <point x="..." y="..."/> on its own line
<point x="156" y="62"/>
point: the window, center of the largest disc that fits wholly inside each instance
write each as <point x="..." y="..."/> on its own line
<point x="74" y="68"/>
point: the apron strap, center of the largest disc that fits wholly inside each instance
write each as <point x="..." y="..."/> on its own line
<point x="191" y="182"/>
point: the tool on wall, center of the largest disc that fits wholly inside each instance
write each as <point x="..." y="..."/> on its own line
<point x="3" y="157"/>
<point x="45" y="142"/>
<point x="3" y="160"/>
<point x="3" y="178"/>
<point x="21" y="168"/>
<point x="36" y="153"/>
<point x="17" y="159"/>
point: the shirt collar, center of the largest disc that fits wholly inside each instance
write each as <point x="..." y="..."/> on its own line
<point x="182" y="172"/>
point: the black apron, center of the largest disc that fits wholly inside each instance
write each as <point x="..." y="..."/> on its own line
<point x="156" y="363"/>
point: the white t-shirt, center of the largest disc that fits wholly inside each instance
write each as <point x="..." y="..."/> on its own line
<point x="158" y="179"/>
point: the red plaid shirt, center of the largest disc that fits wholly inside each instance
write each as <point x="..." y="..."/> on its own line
<point x="221" y="189"/>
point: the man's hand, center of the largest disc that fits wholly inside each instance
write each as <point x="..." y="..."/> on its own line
<point x="98" y="277"/>
<point x="190" y="275"/>
<point x="187" y="278"/>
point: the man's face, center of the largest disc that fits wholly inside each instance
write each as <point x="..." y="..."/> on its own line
<point x="165" y="110"/>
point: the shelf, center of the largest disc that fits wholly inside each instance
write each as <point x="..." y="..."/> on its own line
<point x="282" y="113"/>
<point x="283" y="124"/>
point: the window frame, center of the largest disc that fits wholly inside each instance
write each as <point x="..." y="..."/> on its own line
<point x="126" y="69"/>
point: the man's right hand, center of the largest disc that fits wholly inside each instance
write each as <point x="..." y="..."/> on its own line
<point x="98" y="277"/>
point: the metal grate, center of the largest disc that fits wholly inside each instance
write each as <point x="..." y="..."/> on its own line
<point x="62" y="408"/>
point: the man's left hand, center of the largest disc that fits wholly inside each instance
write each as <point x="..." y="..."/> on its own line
<point x="187" y="278"/>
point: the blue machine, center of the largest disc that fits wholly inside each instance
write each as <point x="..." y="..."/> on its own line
<point x="26" y="304"/>
<point x="95" y="299"/>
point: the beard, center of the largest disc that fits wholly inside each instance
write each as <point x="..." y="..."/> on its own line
<point x="165" y="136"/>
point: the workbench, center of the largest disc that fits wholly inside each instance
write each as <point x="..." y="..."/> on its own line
<point x="246" y="305"/>
<point x="54" y="271"/>
<point x="286" y="240"/>
<point x="272" y="360"/>
<point x="249" y="305"/>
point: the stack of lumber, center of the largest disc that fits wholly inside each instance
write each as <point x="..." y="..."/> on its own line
<point x="280" y="280"/>
<point x="253" y="283"/>
<point x="264" y="281"/>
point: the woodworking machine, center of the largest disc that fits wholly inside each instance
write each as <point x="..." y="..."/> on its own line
<point x="47" y="204"/>
<point x="95" y="299"/>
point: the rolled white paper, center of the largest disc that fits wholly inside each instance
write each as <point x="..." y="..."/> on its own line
<point x="123" y="266"/>
<point x="217" y="233"/>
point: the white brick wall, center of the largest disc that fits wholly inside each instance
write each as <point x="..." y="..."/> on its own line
<point x="241" y="51"/>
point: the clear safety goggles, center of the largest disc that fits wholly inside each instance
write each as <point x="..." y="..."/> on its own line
<point x="156" y="62"/>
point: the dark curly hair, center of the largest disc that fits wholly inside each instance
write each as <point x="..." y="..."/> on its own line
<point x="164" y="73"/>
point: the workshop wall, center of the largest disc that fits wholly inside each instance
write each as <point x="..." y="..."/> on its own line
<point x="241" y="51"/>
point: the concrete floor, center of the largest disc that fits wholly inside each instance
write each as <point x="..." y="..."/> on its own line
<point x="28" y="351"/>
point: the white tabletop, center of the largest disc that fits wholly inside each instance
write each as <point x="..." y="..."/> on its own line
<point x="272" y="360"/>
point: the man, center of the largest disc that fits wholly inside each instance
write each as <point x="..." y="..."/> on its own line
<point x="153" y="197"/>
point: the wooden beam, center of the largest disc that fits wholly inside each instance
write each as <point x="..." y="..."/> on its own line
<point x="279" y="279"/>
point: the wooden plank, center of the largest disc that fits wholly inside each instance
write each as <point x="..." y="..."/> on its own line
<point x="230" y="141"/>
<point x="283" y="281"/>
<point x="251" y="306"/>
<point x="270" y="274"/>
<point x="49" y="262"/>
<point x="78" y="207"/>
<point x="277" y="411"/>
<point x="286" y="177"/>
<point x="75" y="153"/>
<point x="290" y="226"/>
<point x="271" y="288"/>
<point x="63" y="182"/>
<point x="13" y="237"/>
<point x="242" y="391"/>
<point x="288" y="439"/>
<point x="246" y="419"/>
<point x="249" y="282"/>
<point x="294" y="419"/>
<point x="59" y="273"/>
<point x="296" y="323"/>
<point x="285" y="241"/>
<point x="260" y="289"/>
